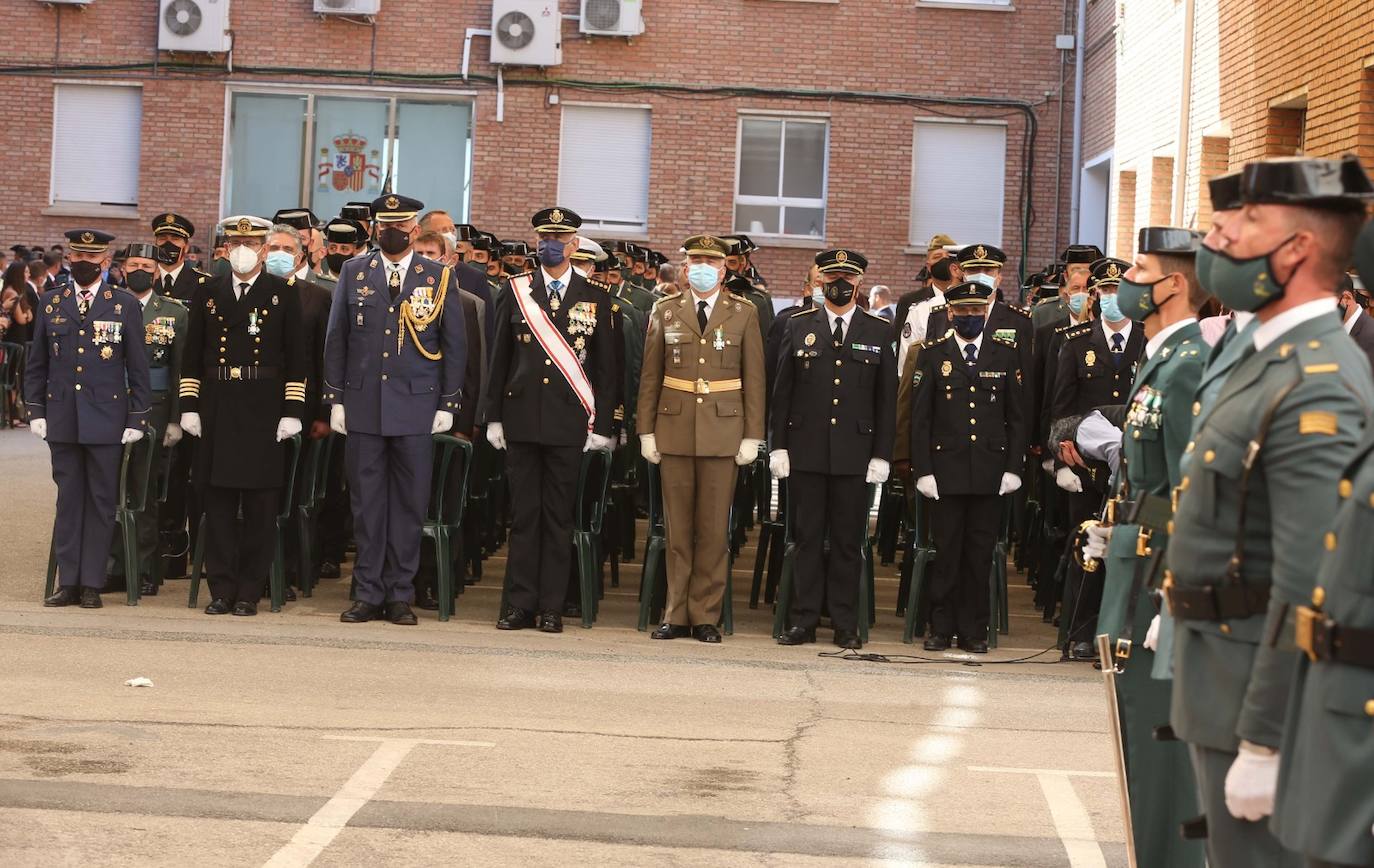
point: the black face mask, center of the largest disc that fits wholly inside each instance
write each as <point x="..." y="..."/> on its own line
<point x="85" y="273"/>
<point x="139" y="281"/>
<point x="839" y="292"/>
<point x="393" y="241"/>
<point x="940" y="270"/>
<point x="169" y="252"/>
<point x="335" y="261"/>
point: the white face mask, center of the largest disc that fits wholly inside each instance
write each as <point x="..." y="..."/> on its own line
<point x="583" y="270"/>
<point x="452" y="239"/>
<point x="243" y="259"/>
<point x="986" y="279"/>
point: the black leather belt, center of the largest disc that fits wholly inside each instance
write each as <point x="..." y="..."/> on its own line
<point x="1216" y="603"/>
<point x="1150" y="511"/>
<point x="245" y="372"/>
<point x="1324" y="639"/>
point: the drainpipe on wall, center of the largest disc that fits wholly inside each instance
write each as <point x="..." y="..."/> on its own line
<point x="1076" y="181"/>
<point x="1184" y="115"/>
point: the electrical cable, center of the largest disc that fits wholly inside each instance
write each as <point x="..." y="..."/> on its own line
<point x="915" y="659"/>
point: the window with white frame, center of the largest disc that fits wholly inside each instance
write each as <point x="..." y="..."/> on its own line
<point x="603" y="166"/>
<point x="781" y="176"/>
<point x="103" y="175"/>
<point x="958" y="181"/>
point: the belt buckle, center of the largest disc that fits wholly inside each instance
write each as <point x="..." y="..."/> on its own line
<point x="1304" y="631"/>
<point x="1142" y="543"/>
<point x="703" y="387"/>
<point x="1123" y="649"/>
<point x="1167" y="587"/>
<point x="1111" y="510"/>
<point x="236" y="373"/>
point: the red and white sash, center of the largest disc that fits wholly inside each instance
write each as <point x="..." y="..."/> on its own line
<point x="555" y="345"/>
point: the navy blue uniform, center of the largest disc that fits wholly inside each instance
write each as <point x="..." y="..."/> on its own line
<point x="390" y="391"/>
<point x="88" y="377"/>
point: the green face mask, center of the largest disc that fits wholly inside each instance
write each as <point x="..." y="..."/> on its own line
<point x="1243" y="284"/>
<point x="1137" y="300"/>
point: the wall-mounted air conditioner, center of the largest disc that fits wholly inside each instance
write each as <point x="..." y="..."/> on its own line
<point x="612" y="17"/>
<point x="193" y="26"/>
<point x="526" y="32"/>
<point x="347" y="7"/>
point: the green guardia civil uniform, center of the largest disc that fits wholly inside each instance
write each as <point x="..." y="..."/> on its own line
<point x="1156" y="431"/>
<point x="1259" y="487"/>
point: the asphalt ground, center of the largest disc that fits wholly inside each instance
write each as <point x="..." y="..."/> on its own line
<point x="292" y="739"/>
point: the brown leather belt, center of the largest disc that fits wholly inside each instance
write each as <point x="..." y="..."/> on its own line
<point x="1324" y="639"/>
<point x="1215" y="602"/>
<point x="702" y="387"/>
<point x="245" y="372"/>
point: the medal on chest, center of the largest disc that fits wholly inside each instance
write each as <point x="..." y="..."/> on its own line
<point x="1090" y="358"/>
<point x="718" y="342"/>
<point x="253" y="327"/>
<point x="422" y="307"/>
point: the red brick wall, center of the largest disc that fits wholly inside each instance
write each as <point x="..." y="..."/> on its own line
<point x="1161" y="193"/>
<point x="1215" y="159"/>
<point x="852" y="46"/>
<point x="1125" y="216"/>
<point x="1099" y="78"/>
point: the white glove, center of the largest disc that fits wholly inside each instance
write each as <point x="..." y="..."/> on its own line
<point x="171" y="436"/>
<point x="878" y="470"/>
<point x="596" y="441"/>
<point x="1251" y="784"/>
<point x="190" y="423"/>
<point x="1010" y="482"/>
<point x="1067" y="480"/>
<point x="496" y="435"/>
<point x="748" y="451"/>
<point x="336" y="419"/>
<point x="1047" y="465"/>
<point x="1096" y="546"/>
<point x="443" y="420"/>
<point x="779" y="464"/>
<point x="287" y="427"/>
<point x="39" y="427"/>
<point x="1151" y="642"/>
<point x="648" y="447"/>
<point x="926" y="485"/>
<point x="131" y="435"/>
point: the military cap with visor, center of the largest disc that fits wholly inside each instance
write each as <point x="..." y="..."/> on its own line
<point x="841" y="261"/>
<point x="244" y="226"/>
<point x="981" y="256"/>
<point x="395" y="208"/>
<point x="556" y="220"/>
<point x="174" y="224"/>
<point x="88" y="240"/>
<point x="1107" y="271"/>
<point x="970" y="292"/>
<point x="706" y="245"/>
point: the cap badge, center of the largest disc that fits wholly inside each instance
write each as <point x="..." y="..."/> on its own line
<point x="169" y="219"/>
<point x="1112" y="270"/>
<point x="244" y="225"/>
<point x="87" y="237"/>
<point x="556" y="215"/>
<point x="392" y="202"/>
<point x="841" y="257"/>
<point x="981" y="252"/>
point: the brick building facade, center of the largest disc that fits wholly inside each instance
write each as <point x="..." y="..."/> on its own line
<point x="855" y="69"/>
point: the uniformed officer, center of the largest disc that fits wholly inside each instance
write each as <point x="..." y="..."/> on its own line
<point x="1323" y="809"/>
<point x="362" y="213"/>
<point x="343" y="239"/>
<point x="87" y="345"/>
<point x="164" y="333"/>
<point x="694" y="416"/>
<point x="838" y="367"/>
<point x="176" y="277"/>
<point x="551" y="398"/>
<point x="243" y="393"/>
<point x="739" y="263"/>
<point x="395" y="356"/>
<point x="1258" y="497"/>
<point x="966" y="458"/>
<point x="983" y="263"/>
<point x="1161" y="295"/>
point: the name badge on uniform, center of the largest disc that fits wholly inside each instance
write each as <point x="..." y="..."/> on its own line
<point x="992" y="374"/>
<point x="867" y="348"/>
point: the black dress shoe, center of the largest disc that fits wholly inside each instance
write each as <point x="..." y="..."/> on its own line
<point x="706" y="633"/>
<point x="290" y="594"/>
<point x="218" y="606"/>
<point x="63" y="597"/>
<point x="936" y="642"/>
<point x="425" y="599"/>
<point x="848" y="639"/>
<point x="330" y="570"/>
<point x="1082" y="651"/>
<point x="147" y="588"/>
<point x="516" y="619"/>
<point x="551" y="622"/>
<point x="398" y="612"/>
<point x="671" y="631"/>
<point x="360" y="613"/>
<point x="90" y="598"/>
<point x="245" y="609"/>
<point x="797" y="636"/>
<point x="974" y="646"/>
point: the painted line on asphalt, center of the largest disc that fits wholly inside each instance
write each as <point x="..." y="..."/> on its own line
<point x="1070" y="817"/>
<point x="326" y="824"/>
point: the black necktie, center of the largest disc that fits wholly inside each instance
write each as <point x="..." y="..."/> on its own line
<point x="1116" y="349"/>
<point x="838" y="336"/>
<point x="701" y="316"/>
<point x="243" y="289"/>
<point x="167" y="284"/>
<point x="970" y="353"/>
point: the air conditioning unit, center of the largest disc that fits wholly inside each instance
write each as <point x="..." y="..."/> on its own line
<point x="612" y="17"/>
<point x="65" y="2"/>
<point x="347" y="7"/>
<point x="526" y="32"/>
<point x="193" y="25"/>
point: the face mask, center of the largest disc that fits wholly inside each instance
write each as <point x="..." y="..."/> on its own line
<point x="940" y="270"/>
<point x="1202" y="266"/>
<point x="1111" y="310"/>
<point x="452" y="239"/>
<point x="280" y="263"/>
<point x="1342" y="310"/>
<point x="584" y="270"/>
<point x="1246" y="284"/>
<point x="243" y="259"/>
<point x="985" y="279"/>
<point x="839" y="292"/>
<point x="1076" y="302"/>
<point x="702" y="276"/>
<point x="335" y="261"/>
<point x="817" y="294"/>
<point x="85" y="273"/>
<point x="551" y="252"/>
<point x="170" y="252"/>
<point x="140" y="281"/>
<point x="968" y="327"/>
<point x="393" y="241"/>
<point x="1137" y="300"/>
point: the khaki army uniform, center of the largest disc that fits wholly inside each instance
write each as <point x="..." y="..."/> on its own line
<point x="700" y="394"/>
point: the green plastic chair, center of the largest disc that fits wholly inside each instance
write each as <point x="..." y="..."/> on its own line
<point x="922" y="555"/>
<point x="11" y="360"/>
<point x="313" y="480"/>
<point x="445" y="515"/>
<point x="277" y="574"/>
<point x="864" y="605"/>
<point x="653" y="583"/>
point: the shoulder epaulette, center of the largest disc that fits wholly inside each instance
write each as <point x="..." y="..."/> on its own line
<point x="203" y="278"/>
<point x="810" y="310"/>
<point x="1078" y="331"/>
<point x="201" y="271"/>
<point x="291" y="281"/>
<point x="1315" y="357"/>
<point x="939" y="307"/>
<point x="668" y="297"/>
<point x="173" y="300"/>
<point x="736" y="296"/>
<point x="600" y="284"/>
<point x="930" y="342"/>
<point x="872" y="314"/>
<point x="1016" y="308"/>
